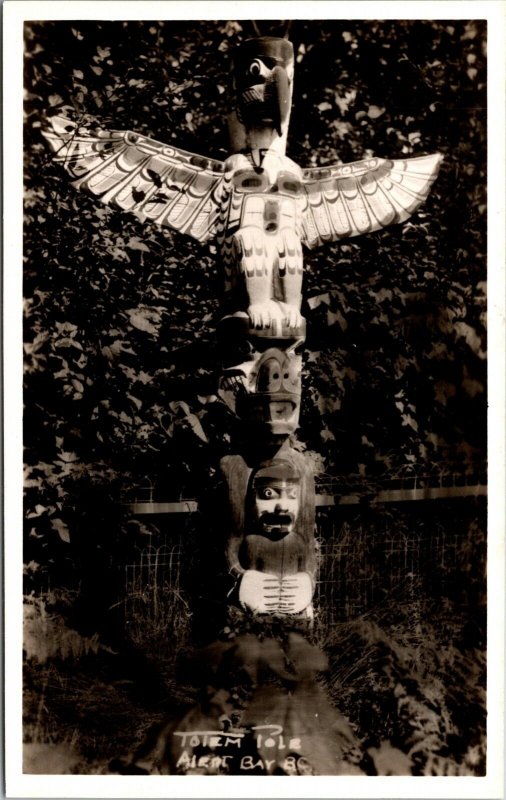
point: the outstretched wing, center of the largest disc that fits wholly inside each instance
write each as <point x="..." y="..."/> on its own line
<point x="351" y="199"/>
<point x="154" y="181"/>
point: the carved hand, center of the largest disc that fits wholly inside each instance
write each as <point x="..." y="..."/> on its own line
<point x="262" y="314"/>
<point x="291" y="315"/>
<point x="265" y="593"/>
<point x="260" y="591"/>
<point x="296" y="593"/>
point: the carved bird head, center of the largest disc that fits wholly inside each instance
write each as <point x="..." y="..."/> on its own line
<point x="262" y="83"/>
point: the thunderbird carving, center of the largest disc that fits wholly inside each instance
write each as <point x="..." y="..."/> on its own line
<point x="259" y="205"/>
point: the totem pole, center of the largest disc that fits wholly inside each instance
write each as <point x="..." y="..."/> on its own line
<point x="261" y="709"/>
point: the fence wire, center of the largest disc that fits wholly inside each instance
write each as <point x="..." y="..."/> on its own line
<point x="155" y="601"/>
<point x="362" y="566"/>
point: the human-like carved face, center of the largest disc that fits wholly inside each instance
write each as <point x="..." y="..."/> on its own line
<point x="276" y="503"/>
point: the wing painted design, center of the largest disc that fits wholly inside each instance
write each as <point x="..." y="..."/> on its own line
<point x="362" y="197"/>
<point x="154" y="181"/>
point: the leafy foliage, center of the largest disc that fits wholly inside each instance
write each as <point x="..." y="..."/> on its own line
<point x="420" y="705"/>
<point x="116" y="382"/>
<point x="412" y="686"/>
<point x="120" y="361"/>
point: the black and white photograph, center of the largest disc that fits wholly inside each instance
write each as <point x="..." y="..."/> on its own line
<point x="254" y="280"/>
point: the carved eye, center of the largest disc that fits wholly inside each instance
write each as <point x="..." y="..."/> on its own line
<point x="289" y="186"/>
<point x="249" y="181"/>
<point x="269" y="378"/>
<point x="267" y="493"/>
<point x="255" y="68"/>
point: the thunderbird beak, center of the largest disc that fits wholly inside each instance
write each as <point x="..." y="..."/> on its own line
<point x="278" y="92"/>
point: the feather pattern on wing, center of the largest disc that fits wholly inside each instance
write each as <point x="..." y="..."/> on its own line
<point x="362" y="197"/>
<point x="154" y="181"/>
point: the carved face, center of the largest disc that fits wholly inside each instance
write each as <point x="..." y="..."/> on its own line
<point x="263" y="74"/>
<point x="273" y="392"/>
<point x="276" y="500"/>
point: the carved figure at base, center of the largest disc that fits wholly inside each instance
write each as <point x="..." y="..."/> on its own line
<point x="273" y="554"/>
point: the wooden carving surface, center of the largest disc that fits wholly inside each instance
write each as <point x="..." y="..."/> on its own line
<point x="261" y="214"/>
<point x="265" y="391"/>
<point x="271" y="546"/>
<point x="261" y="238"/>
<point x="154" y="181"/>
<point x="262" y="79"/>
<point x="362" y="197"/>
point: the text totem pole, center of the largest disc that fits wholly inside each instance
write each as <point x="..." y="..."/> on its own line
<point x="261" y="709"/>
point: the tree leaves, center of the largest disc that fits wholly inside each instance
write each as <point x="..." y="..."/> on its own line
<point x="390" y="760"/>
<point x="395" y="354"/>
<point x="62" y="529"/>
<point x="145" y="319"/>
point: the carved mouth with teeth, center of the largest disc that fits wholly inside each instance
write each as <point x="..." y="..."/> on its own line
<point x="281" y="409"/>
<point x="279" y="414"/>
<point x="276" y="526"/>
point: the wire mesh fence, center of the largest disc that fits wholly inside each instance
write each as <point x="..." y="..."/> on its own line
<point x="365" y="560"/>
<point x="155" y="603"/>
<point x="361" y="566"/>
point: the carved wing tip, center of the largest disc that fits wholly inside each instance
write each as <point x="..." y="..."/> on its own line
<point x="350" y="199"/>
<point x="438" y="158"/>
<point x="59" y="123"/>
<point x="131" y="172"/>
<point x="434" y="159"/>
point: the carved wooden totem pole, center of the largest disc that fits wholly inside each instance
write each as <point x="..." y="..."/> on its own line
<point x="261" y="709"/>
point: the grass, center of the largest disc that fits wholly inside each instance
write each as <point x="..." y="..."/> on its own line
<point x="84" y="701"/>
<point x="412" y="681"/>
<point x="416" y="702"/>
<point x="407" y="669"/>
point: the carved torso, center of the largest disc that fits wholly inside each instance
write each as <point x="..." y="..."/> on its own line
<point x="261" y="239"/>
<point x="286" y="556"/>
